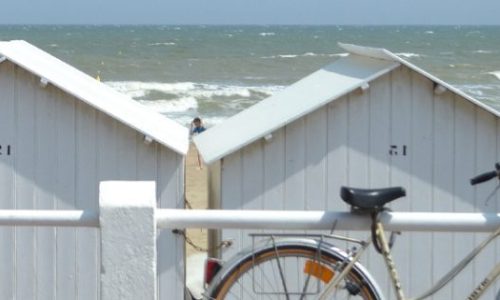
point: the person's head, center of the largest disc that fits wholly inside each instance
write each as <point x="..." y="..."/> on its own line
<point x="197" y="122"/>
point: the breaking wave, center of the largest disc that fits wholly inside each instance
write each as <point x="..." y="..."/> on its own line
<point x="307" y="54"/>
<point x="408" y="55"/>
<point x="182" y="101"/>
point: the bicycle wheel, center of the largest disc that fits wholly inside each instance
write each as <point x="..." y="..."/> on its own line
<point x="291" y="271"/>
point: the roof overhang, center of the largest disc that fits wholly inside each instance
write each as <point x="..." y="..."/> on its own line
<point x="356" y="70"/>
<point x="312" y="92"/>
<point x="96" y="94"/>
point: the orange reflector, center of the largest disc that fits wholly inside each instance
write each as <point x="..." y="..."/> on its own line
<point x="315" y="269"/>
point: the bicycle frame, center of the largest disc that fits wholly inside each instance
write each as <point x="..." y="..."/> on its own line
<point x="386" y="253"/>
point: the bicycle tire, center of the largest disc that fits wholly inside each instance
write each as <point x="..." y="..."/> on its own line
<point x="238" y="280"/>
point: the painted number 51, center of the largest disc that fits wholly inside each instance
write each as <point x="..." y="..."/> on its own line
<point x="395" y="150"/>
<point x="5" y="149"/>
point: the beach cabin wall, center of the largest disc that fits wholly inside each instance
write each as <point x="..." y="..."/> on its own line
<point x="399" y="128"/>
<point x="54" y="151"/>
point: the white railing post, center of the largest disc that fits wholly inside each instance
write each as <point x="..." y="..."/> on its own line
<point x="128" y="240"/>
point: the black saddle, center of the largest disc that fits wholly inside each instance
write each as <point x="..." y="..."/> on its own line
<point x="370" y="199"/>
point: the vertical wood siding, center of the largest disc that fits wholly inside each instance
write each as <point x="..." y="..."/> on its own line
<point x="437" y="143"/>
<point x="61" y="149"/>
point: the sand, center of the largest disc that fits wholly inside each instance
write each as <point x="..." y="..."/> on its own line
<point x="196" y="198"/>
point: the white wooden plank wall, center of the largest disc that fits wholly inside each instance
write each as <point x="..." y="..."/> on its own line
<point x="7" y="137"/>
<point x="379" y="136"/>
<point x="400" y="131"/>
<point x="443" y="182"/>
<point x="397" y="133"/>
<point x="24" y="190"/>
<point x="170" y="174"/>
<point x="463" y="164"/>
<point x="60" y="150"/>
<point x="46" y="237"/>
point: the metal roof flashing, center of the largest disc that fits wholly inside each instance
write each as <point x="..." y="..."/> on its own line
<point x="96" y="94"/>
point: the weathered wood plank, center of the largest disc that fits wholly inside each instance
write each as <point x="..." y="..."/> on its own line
<point x="442" y="194"/>
<point x="379" y="157"/>
<point x="465" y="136"/>
<point x="401" y="101"/>
<point x="87" y="239"/>
<point x="486" y="143"/>
<point x="25" y="163"/>
<point x="7" y="194"/>
<point x="46" y="159"/>
<point x="420" y="193"/>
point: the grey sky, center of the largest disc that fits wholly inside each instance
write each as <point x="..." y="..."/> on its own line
<point x="373" y="12"/>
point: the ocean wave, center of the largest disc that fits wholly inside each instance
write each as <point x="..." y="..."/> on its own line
<point x="496" y="74"/>
<point x="267" y="33"/>
<point x="307" y="54"/>
<point x="162" y="44"/>
<point x="482" y="51"/>
<point x="486" y="93"/>
<point x="136" y="89"/>
<point x="408" y="54"/>
<point x="171" y="106"/>
<point x="182" y="101"/>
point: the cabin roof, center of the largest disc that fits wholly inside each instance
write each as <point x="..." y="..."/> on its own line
<point x="96" y="94"/>
<point x="354" y="71"/>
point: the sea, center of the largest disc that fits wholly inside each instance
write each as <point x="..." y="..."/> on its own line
<point x="215" y="72"/>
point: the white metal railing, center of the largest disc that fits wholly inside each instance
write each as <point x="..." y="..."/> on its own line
<point x="128" y="220"/>
<point x="270" y="219"/>
<point x="70" y="218"/>
<point x="324" y="220"/>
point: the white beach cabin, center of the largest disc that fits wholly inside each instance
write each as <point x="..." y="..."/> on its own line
<point x="61" y="133"/>
<point x="370" y="119"/>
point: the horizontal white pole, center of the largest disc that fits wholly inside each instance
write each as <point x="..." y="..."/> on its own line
<point x="70" y="218"/>
<point x="321" y="220"/>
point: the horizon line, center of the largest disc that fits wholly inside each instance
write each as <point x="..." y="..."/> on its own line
<point x="256" y="25"/>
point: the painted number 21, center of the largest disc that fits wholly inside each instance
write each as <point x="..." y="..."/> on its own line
<point x="5" y="149"/>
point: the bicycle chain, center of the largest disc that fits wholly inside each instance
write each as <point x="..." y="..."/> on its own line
<point x="222" y="244"/>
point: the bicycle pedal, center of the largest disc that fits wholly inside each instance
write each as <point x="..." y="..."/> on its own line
<point x="352" y="288"/>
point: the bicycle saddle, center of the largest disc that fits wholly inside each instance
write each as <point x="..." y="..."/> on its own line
<point x="370" y="198"/>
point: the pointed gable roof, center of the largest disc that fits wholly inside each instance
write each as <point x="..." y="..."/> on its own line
<point x="360" y="66"/>
<point x="96" y="94"/>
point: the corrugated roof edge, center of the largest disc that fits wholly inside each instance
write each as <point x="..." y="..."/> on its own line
<point x="381" y="53"/>
<point x="90" y="91"/>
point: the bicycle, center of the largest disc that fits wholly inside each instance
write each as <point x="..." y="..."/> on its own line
<point x="309" y="266"/>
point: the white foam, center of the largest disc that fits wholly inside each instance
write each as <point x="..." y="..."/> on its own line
<point x="307" y="54"/>
<point x="140" y="88"/>
<point x="408" y="54"/>
<point x="163" y="44"/>
<point x="171" y="106"/>
<point x="496" y="74"/>
<point x="483" y="51"/>
<point x="429" y="32"/>
<point x="182" y="99"/>
<point x="338" y="55"/>
<point x="267" y="33"/>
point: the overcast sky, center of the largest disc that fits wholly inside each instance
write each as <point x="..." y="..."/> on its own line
<point x="356" y="12"/>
